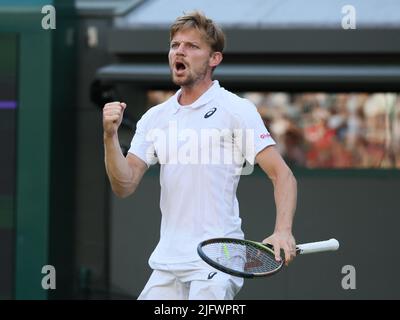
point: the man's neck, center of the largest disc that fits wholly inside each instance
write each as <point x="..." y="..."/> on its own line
<point x="191" y="94"/>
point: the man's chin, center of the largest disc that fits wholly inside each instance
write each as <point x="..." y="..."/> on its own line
<point x="181" y="81"/>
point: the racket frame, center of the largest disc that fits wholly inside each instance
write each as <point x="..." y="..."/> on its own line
<point x="220" y="267"/>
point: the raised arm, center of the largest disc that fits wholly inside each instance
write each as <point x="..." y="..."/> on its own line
<point x="124" y="174"/>
<point x="285" y="194"/>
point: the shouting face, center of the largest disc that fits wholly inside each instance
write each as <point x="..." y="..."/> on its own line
<point x="190" y="58"/>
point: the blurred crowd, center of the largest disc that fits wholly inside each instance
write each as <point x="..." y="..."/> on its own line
<point x="328" y="130"/>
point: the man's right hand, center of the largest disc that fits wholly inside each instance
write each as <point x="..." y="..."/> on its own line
<point x="112" y="117"/>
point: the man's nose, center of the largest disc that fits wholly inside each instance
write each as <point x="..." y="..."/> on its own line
<point x="181" y="49"/>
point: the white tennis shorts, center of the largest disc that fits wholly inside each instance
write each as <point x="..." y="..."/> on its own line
<point x="190" y="281"/>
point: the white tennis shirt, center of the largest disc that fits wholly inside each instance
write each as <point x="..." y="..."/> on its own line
<point x="201" y="149"/>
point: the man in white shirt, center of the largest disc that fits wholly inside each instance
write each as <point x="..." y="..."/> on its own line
<point x="201" y="137"/>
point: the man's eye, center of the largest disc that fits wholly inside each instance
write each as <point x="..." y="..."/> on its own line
<point x="174" y="45"/>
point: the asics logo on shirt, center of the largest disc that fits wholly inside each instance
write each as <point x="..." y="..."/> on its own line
<point x="210" y="113"/>
<point x="211" y="275"/>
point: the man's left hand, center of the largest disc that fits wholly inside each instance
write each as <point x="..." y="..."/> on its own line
<point x="282" y="240"/>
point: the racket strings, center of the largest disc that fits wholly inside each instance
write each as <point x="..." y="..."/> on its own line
<point x="259" y="261"/>
<point x="241" y="257"/>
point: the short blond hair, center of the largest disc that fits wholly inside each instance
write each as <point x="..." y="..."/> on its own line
<point x="214" y="35"/>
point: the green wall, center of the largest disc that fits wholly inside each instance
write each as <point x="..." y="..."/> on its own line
<point x="44" y="193"/>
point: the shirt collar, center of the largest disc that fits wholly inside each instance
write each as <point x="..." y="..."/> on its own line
<point x="201" y="101"/>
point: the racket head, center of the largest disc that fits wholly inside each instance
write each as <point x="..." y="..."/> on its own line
<point x="238" y="257"/>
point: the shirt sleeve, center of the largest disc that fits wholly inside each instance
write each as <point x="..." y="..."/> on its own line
<point x="251" y="136"/>
<point x="142" y="145"/>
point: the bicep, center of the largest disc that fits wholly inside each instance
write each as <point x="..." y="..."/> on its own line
<point x="138" y="167"/>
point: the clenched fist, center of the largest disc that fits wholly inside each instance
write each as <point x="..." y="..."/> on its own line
<point x="112" y="117"/>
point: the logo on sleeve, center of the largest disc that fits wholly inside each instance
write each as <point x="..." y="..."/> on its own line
<point x="264" y="135"/>
<point x="210" y="113"/>
<point x="211" y="275"/>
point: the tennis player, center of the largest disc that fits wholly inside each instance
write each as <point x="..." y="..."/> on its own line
<point x="193" y="136"/>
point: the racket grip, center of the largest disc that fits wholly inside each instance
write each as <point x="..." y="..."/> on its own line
<point x="320" y="246"/>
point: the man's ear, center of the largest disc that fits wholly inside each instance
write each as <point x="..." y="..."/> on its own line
<point x="216" y="58"/>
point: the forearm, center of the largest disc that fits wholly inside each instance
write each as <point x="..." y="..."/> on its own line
<point x="118" y="170"/>
<point x="285" y="193"/>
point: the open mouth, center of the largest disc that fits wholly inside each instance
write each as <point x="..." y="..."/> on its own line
<point x="180" y="66"/>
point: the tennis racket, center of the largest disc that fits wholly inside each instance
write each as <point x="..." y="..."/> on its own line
<point x="249" y="259"/>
